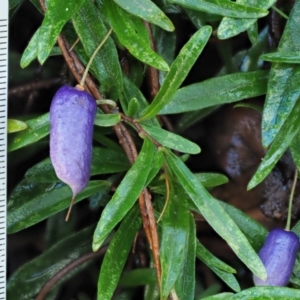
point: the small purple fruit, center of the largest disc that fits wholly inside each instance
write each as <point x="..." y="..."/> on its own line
<point x="72" y="115"/>
<point x="278" y="255"/>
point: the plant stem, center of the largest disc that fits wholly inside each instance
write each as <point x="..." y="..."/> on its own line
<point x="93" y="56"/>
<point x="289" y="217"/>
<point x="280" y="12"/>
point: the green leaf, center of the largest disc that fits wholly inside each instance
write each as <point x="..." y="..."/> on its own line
<point x="171" y="140"/>
<point x="15" y="125"/>
<point x="231" y="88"/>
<point x="126" y="194"/>
<point x="175" y="225"/>
<point x="210" y="260"/>
<point x="228" y="278"/>
<point x="104" y="161"/>
<point x="116" y="254"/>
<point x="215" y="215"/>
<point x="253" y="33"/>
<point x="37" y="128"/>
<point x="156" y="166"/>
<point x="217" y="266"/>
<point x="179" y="70"/>
<point x="295" y="278"/>
<point x="254" y="231"/>
<point x="133" y="107"/>
<point x="40" y="270"/>
<point x="32" y="202"/>
<point x="148" y="11"/>
<point x="222" y="296"/>
<point x="283" y="86"/>
<point x="185" y="283"/>
<point x="223" y="7"/>
<point x="91" y="31"/>
<point x="282" y="57"/>
<point x="211" y="179"/>
<point x="294" y="147"/>
<point x="266" y="293"/>
<point x="131" y="91"/>
<point x="30" y="53"/>
<point x="58" y="13"/>
<point x="138" y="277"/>
<point x="230" y="27"/>
<point x="280" y="144"/>
<point x="107" y="120"/>
<point x="132" y="34"/>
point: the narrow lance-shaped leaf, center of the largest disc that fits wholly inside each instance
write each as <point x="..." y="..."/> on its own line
<point x="230" y="27"/>
<point x="132" y="34"/>
<point x="58" y="13"/>
<point x="174" y="237"/>
<point x="215" y="215"/>
<point x="231" y="88"/>
<point x="185" y="283"/>
<point x="223" y="7"/>
<point x="282" y="57"/>
<point x="116" y="255"/>
<point x="91" y="31"/>
<point x="283" y="86"/>
<point x="30" y="53"/>
<point x="222" y="296"/>
<point x="41" y="269"/>
<point x="179" y="70"/>
<point x="15" y="125"/>
<point x="267" y="292"/>
<point x="126" y="194"/>
<point x="280" y="144"/>
<point x="171" y="140"/>
<point x="107" y="120"/>
<point x="148" y="11"/>
<point x="37" y="128"/>
<point x="218" y="267"/>
<point x="32" y="202"/>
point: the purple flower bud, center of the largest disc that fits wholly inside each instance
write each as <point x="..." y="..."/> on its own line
<point x="72" y="115"/>
<point x="278" y="255"/>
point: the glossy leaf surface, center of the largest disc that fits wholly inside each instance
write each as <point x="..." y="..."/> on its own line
<point x="91" y="31"/>
<point x="266" y="293"/>
<point x="116" y="255"/>
<point x="278" y="147"/>
<point x="126" y="194"/>
<point x="132" y="34"/>
<point x="172" y="140"/>
<point x="37" y="128"/>
<point x="185" y="283"/>
<point x="57" y="14"/>
<point x="31" y="202"/>
<point x="282" y="57"/>
<point x="178" y="71"/>
<point x="107" y="120"/>
<point x="231" y="88"/>
<point x="215" y="215"/>
<point x="223" y="8"/>
<point x="15" y="125"/>
<point x="148" y="11"/>
<point x="230" y="27"/>
<point x="48" y="264"/>
<point x="175" y="224"/>
<point x="283" y="86"/>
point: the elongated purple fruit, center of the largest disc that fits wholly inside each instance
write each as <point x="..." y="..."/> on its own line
<point x="72" y="115"/>
<point x="278" y="255"/>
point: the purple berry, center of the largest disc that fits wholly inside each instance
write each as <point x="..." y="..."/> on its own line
<point x="278" y="255"/>
<point x="72" y="115"/>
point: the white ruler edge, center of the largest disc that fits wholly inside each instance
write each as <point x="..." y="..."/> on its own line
<point x="3" y="140"/>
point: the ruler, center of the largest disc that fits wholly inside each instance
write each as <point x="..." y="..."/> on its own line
<point x="3" y="140"/>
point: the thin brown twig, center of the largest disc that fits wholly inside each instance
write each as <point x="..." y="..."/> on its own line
<point x="34" y="85"/>
<point x="125" y="140"/>
<point x="64" y="271"/>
